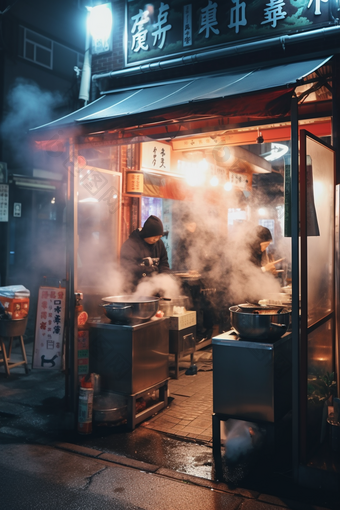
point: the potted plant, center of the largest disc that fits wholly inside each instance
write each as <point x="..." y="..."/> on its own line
<point x="320" y="391"/>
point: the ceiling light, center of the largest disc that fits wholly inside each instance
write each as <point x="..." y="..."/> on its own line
<point x="214" y="181"/>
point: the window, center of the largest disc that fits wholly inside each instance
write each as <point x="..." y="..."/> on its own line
<point x="48" y="53"/>
<point x="37" y="48"/>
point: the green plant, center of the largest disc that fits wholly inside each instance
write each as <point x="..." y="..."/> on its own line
<point x="321" y="387"/>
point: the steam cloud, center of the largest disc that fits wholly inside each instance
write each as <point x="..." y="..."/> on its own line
<point x="27" y="106"/>
<point x="219" y="252"/>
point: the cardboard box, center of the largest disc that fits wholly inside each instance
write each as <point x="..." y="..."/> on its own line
<point x="17" y="308"/>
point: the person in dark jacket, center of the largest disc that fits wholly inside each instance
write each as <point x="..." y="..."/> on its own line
<point x="258" y="246"/>
<point x="143" y="254"/>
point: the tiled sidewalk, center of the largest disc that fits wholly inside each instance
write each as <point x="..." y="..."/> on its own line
<point x="189" y="412"/>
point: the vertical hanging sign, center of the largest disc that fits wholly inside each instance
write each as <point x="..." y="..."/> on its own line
<point x="4" y="201"/>
<point x="49" y="329"/>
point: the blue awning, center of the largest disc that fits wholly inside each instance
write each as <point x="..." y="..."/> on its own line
<point x="150" y="99"/>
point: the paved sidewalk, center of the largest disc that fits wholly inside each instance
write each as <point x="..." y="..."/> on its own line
<point x="31" y="413"/>
<point x="189" y="415"/>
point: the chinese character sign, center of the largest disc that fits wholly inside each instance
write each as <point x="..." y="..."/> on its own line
<point x="4" y="201"/>
<point x="49" y="329"/>
<point x="165" y="28"/>
<point x="156" y="156"/>
<point x="134" y="183"/>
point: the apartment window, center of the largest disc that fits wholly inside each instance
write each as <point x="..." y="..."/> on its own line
<point x="49" y="54"/>
<point x="37" y="48"/>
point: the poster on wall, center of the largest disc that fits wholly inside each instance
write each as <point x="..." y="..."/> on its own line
<point x="49" y="329"/>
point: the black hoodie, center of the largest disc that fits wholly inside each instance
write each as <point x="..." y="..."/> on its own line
<point x="134" y="250"/>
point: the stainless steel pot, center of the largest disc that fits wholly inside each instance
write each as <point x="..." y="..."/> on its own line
<point x="167" y="305"/>
<point x="127" y="308"/>
<point x="262" y="324"/>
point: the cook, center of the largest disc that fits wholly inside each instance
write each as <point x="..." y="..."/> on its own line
<point x="143" y="254"/>
<point x="258" y="254"/>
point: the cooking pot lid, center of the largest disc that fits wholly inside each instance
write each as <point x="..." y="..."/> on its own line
<point x="130" y="299"/>
<point x="251" y="307"/>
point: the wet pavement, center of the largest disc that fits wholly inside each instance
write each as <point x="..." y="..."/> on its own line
<point x="177" y="440"/>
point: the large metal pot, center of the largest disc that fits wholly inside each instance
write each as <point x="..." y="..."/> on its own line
<point x="260" y="324"/>
<point x="127" y="308"/>
<point x="167" y="305"/>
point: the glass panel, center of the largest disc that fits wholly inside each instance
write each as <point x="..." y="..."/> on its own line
<point x="32" y="36"/>
<point x="320" y="363"/>
<point x="43" y="57"/>
<point x="320" y="229"/>
<point x="29" y="53"/>
<point x="99" y="198"/>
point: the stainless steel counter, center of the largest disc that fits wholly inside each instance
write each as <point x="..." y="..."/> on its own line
<point x="130" y="358"/>
<point x="252" y="380"/>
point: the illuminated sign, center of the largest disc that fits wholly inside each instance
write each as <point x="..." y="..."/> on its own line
<point x="134" y="183"/>
<point x="158" y="29"/>
<point x="156" y="156"/>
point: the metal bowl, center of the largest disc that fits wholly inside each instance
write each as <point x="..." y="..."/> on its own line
<point x="109" y="407"/>
<point x="127" y="308"/>
<point x="270" y="325"/>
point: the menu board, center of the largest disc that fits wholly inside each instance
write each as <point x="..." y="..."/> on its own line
<point x="4" y="201"/>
<point x="49" y="329"/>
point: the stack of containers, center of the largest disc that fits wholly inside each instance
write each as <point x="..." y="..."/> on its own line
<point x="15" y="300"/>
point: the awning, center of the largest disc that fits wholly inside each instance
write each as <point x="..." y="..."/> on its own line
<point x="198" y="95"/>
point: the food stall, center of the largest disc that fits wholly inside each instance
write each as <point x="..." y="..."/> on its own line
<point x="225" y="163"/>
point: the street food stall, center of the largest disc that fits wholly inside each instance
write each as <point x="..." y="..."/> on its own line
<point x="224" y="165"/>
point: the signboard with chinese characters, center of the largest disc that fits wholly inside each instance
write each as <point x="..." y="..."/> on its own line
<point x="134" y="183"/>
<point x="49" y="329"/>
<point x="156" y="156"/>
<point x="242" y="181"/>
<point x="159" y="29"/>
<point x="4" y="201"/>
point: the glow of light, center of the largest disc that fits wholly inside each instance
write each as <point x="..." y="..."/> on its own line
<point x="89" y="200"/>
<point x="228" y="186"/>
<point x="261" y="211"/>
<point x="100" y="22"/>
<point x="114" y="196"/>
<point x="214" y="181"/>
<point x="194" y="173"/>
<point x="278" y="150"/>
<point x="318" y="190"/>
<point x="53" y="200"/>
<point x="203" y="165"/>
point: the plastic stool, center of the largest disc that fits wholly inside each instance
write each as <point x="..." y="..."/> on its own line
<point x="12" y="329"/>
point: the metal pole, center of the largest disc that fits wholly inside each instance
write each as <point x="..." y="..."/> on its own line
<point x="70" y="351"/>
<point x="295" y="287"/>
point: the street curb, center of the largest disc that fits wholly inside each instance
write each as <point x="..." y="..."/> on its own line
<point x="109" y="457"/>
<point x="252" y="499"/>
<point x="253" y="496"/>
